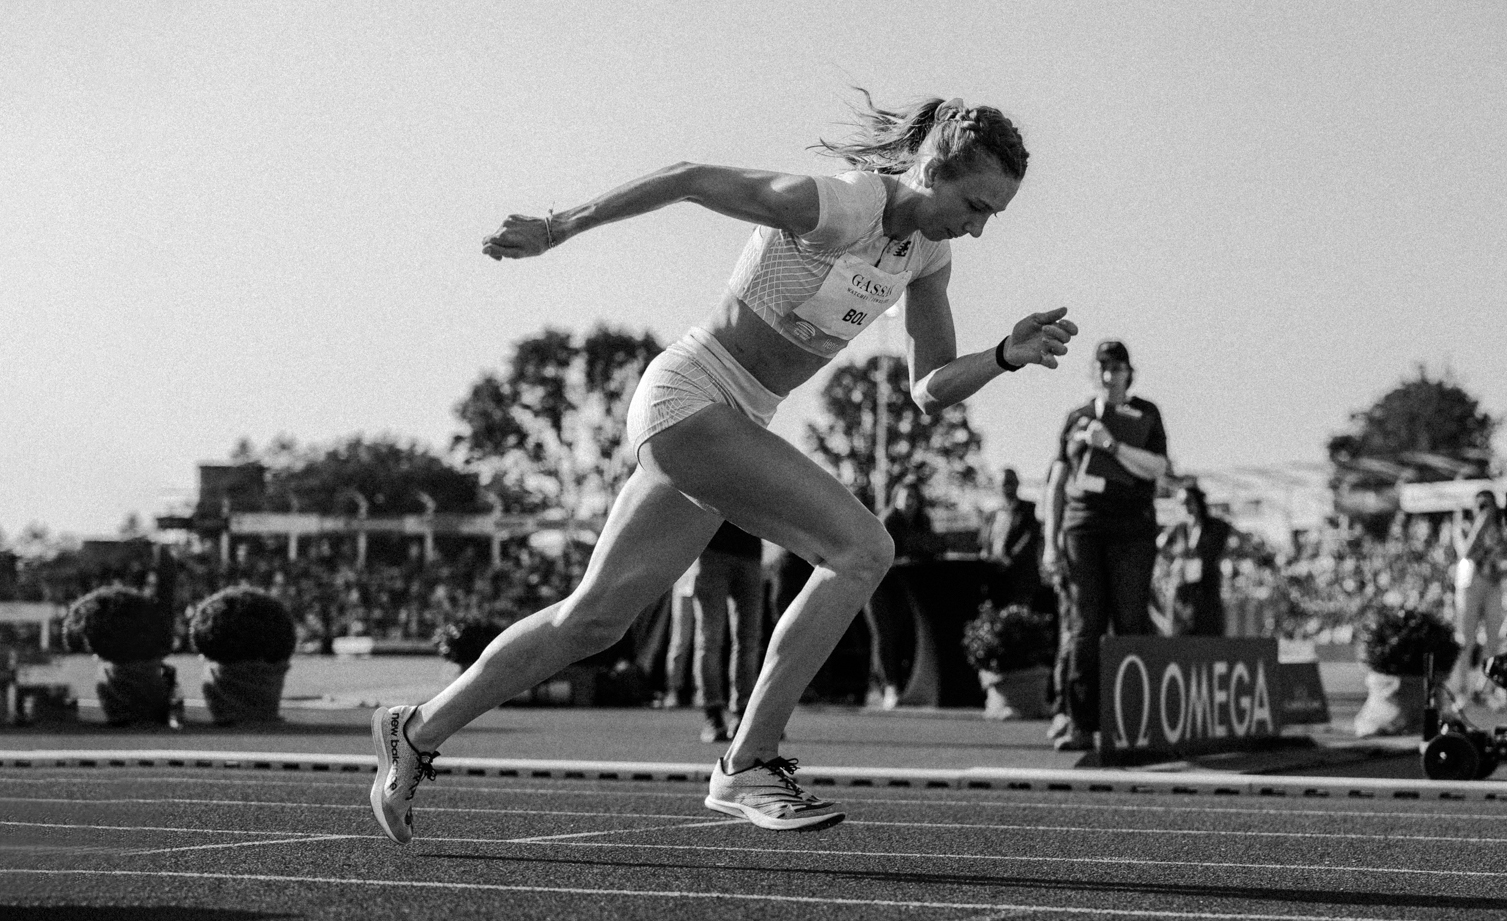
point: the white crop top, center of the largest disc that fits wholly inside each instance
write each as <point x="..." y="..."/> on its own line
<point x="823" y="288"/>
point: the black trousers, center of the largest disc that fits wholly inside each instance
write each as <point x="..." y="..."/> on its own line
<point x="1108" y="585"/>
<point x="891" y="615"/>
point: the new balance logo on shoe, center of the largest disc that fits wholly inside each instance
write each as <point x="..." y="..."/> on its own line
<point x="400" y="768"/>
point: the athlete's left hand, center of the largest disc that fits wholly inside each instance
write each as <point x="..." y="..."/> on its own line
<point x="519" y="237"/>
<point x="1040" y="338"/>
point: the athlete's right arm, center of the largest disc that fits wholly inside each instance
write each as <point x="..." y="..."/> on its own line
<point x="780" y="200"/>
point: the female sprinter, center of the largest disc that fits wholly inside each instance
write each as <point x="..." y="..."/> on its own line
<point x="827" y="257"/>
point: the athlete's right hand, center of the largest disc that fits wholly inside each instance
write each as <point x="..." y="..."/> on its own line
<point x="519" y="237"/>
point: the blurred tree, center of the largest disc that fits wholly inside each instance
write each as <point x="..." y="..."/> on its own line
<point x="941" y="450"/>
<point x="392" y="474"/>
<point x="47" y="565"/>
<point x="1420" y="417"/>
<point x="36" y="541"/>
<point x="131" y="526"/>
<point x="548" y="430"/>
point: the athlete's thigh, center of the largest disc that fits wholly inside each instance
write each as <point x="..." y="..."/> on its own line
<point x="759" y="482"/>
<point x="651" y="537"/>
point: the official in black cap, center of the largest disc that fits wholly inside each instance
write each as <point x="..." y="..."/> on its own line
<point x="1101" y="531"/>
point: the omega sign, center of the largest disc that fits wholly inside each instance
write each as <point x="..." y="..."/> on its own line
<point x="1186" y="694"/>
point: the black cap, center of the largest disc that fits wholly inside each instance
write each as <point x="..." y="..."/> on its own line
<point x="1112" y="350"/>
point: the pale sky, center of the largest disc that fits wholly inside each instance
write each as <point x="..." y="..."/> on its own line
<point x="239" y="219"/>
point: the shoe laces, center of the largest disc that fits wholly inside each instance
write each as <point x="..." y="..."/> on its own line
<point x="424" y="770"/>
<point x="784" y="770"/>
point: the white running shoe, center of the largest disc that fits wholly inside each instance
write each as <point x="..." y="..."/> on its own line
<point x="768" y="796"/>
<point x="400" y="767"/>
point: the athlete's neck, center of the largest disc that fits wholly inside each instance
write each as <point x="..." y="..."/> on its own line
<point x="900" y="205"/>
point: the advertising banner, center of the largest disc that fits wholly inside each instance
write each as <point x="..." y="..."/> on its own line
<point x="1181" y="696"/>
<point x="1446" y="496"/>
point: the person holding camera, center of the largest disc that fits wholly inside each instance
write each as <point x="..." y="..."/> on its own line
<point x="1101" y="534"/>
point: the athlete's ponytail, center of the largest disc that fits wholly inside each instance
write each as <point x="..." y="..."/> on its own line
<point x="891" y="141"/>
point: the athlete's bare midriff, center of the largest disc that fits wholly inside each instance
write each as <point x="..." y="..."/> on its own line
<point x="778" y="363"/>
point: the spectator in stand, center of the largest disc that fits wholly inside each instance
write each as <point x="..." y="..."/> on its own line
<point x="1011" y="537"/>
<point x="1101" y="534"/>
<point x="892" y="610"/>
<point x="1196" y="546"/>
<point x="1480" y="544"/>
<point x="729" y="569"/>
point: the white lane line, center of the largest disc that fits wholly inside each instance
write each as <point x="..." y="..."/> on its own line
<point x="192" y="831"/>
<point x="1219" y="832"/>
<point x="1035" y="910"/>
<point x="975" y="826"/>
<point x="1031" y="858"/>
<point x="562" y="841"/>
<point x="210" y="847"/>
<point x="362" y="807"/>
<point x="621" y="831"/>
<point x="1427" y="810"/>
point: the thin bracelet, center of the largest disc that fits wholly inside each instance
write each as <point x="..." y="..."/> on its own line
<point x="999" y="356"/>
<point x="549" y="235"/>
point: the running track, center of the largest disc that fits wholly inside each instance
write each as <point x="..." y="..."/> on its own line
<point x="172" y="843"/>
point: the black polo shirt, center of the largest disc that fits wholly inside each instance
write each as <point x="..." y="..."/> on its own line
<point x="1102" y="496"/>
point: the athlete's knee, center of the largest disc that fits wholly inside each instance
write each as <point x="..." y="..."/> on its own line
<point x="866" y="553"/>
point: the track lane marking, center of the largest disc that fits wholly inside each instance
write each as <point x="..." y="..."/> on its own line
<point x="981" y="826"/>
<point x="682" y="894"/>
<point x="334" y="783"/>
<point x="192" y="831"/>
<point x="560" y="840"/>
<point x="211" y="847"/>
<point x="363" y="807"/>
<point x="1032" y="858"/>
<point x="537" y="839"/>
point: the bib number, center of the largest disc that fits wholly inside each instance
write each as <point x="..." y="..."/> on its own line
<point x="853" y="296"/>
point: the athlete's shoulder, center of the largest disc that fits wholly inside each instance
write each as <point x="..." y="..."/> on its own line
<point x="852" y="204"/>
<point x="863" y="180"/>
<point x="858" y="189"/>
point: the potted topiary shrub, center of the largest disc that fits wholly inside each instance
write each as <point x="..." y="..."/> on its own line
<point x="246" y="636"/>
<point x="127" y="632"/>
<point x="1394" y="643"/>
<point x="1013" y="649"/>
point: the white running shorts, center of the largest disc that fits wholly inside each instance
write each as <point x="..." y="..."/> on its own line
<point x="689" y="376"/>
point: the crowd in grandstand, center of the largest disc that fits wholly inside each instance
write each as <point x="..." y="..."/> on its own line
<point x="1318" y="588"/>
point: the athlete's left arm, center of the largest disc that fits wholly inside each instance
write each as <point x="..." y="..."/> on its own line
<point x="939" y="377"/>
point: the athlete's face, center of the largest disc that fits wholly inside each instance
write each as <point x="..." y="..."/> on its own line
<point x="965" y="204"/>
